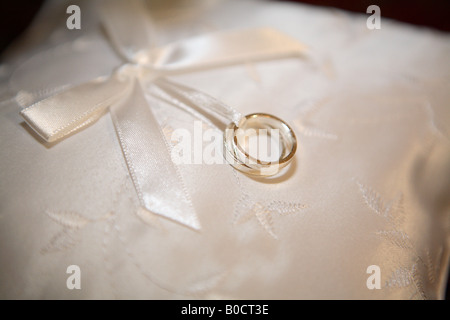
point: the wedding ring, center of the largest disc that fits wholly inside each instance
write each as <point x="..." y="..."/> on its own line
<point x="259" y="144"/>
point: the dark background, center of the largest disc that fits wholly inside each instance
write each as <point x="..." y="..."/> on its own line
<point x="431" y="13"/>
<point x="16" y="15"/>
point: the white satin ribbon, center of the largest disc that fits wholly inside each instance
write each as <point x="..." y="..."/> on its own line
<point x="158" y="183"/>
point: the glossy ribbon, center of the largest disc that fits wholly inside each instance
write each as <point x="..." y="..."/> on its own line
<point x="157" y="181"/>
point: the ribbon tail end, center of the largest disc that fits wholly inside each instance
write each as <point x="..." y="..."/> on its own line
<point x="186" y="218"/>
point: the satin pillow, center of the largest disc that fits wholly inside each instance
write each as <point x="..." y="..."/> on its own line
<point x="361" y="213"/>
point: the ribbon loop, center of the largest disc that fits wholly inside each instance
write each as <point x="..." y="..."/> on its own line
<point x="225" y="48"/>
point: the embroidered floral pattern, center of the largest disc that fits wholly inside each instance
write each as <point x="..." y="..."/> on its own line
<point x="72" y="223"/>
<point x="264" y="212"/>
<point x="423" y="265"/>
<point x="302" y="121"/>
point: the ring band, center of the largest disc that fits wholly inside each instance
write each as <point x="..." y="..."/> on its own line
<point x="240" y="139"/>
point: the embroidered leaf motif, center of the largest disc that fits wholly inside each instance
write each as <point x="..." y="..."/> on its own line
<point x="71" y="223"/>
<point x="404" y="277"/>
<point x="432" y="267"/>
<point x="393" y="214"/>
<point x="265" y="219"/>
<point x="310" y="131"/>
<point x="417" y="283"/>
<point x="68" y="219"/>
<point x="373" y="200"/>
<point x="60" y="241"/>
<point x="243" y="210"/>
<point x="398" y="238"/>
<point x="246" y="209"/>
<point x="306" y="109"/>
<point x="285" y="208"/>
<point x="308" y="106"/>
<point x="401" y="277"/>
<point x="397" y="212"/>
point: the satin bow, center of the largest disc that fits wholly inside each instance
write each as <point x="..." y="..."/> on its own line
<point x="157" y="181"/>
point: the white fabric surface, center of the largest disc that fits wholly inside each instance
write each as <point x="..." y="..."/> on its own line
<point x="369" y="184"/>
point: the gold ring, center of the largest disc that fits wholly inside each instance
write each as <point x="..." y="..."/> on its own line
<point x="248" y="143"/>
